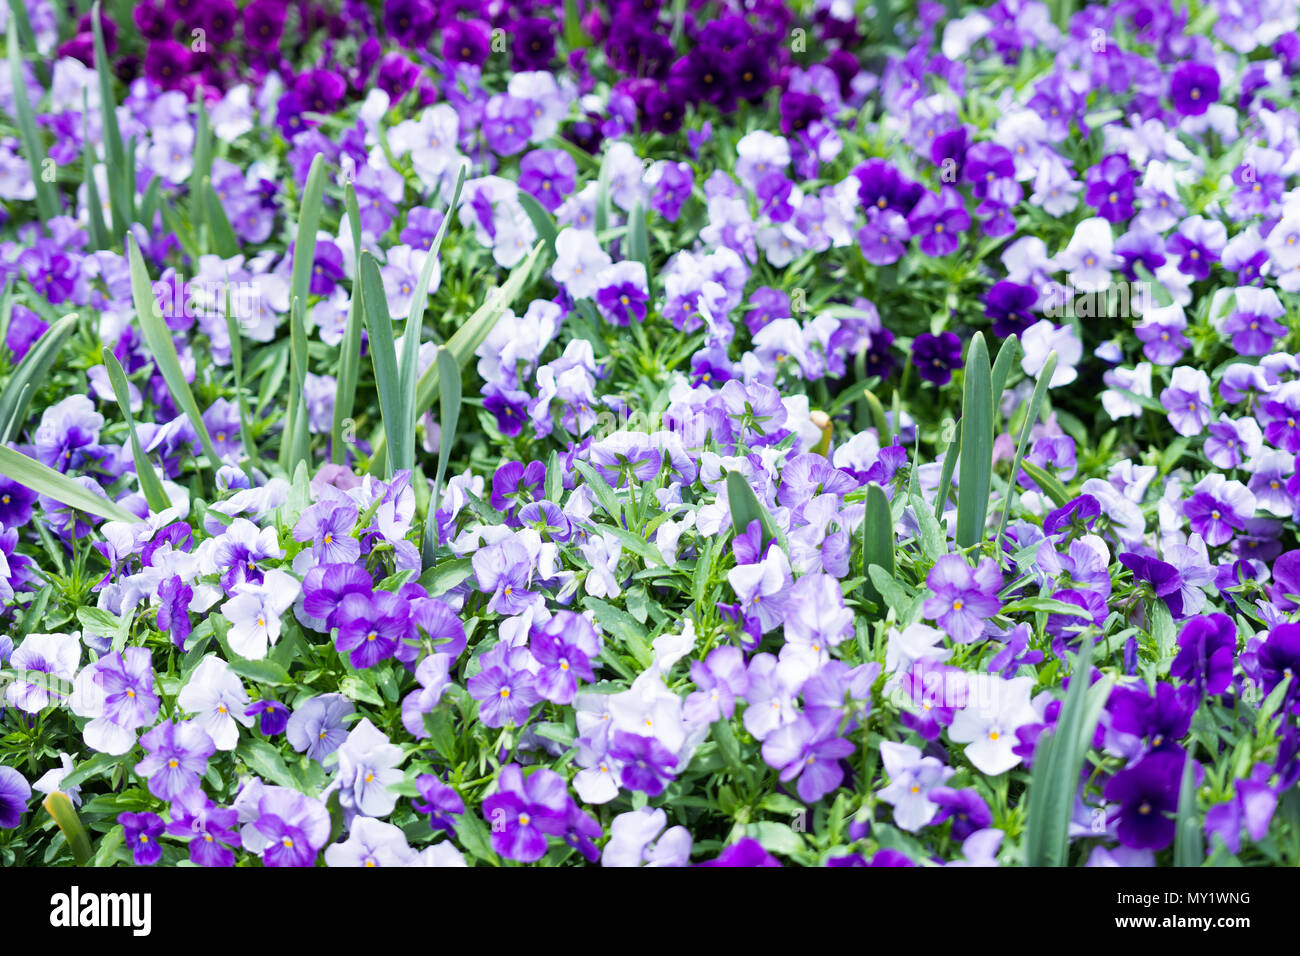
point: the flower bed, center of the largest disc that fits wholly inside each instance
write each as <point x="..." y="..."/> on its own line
<point x="640" y="434"/>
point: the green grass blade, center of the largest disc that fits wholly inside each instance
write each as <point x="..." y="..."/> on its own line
<point x="46" y="481"/>
<point x="1050" y="484"/>
<point x="1058" y="762"/>
<point x="449" y="399"/>
<point x="638" y="240"/>
<point x="945" y="476"/>
<point x="31" y="371"/>
<point x="977" y="446"/>
<point x="47" y="200"/>
<point x="541" y="220"/>
<point x="114" y="155"/>
<point x="383" y="354"/>
<point x="27" y="37"/>
<point x="300" y="449"/>
<point x="159" y="339"/>
<point x="223" y="240"/>
<point x="1007" y="356"/>
<point x="603" y="204"/>
<point x="408" y="365"/>
<point x="237" y="361"/>
<point x="304" y="258"/>
<point x="349" y="369"/>
<point x="463" y="344"/>
<point x="1189" y="845"/>
<point x="58" y="806"/>
<point x="1031" y="416"/>
<point x="94" y="209"/>
<point x="746" y="508"/>
<point x="877" y="539"/>
<point x="878" y="418"/>
<point x="150" y="483"/>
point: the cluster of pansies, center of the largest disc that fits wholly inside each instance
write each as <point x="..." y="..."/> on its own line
<point x="629" y="433"/>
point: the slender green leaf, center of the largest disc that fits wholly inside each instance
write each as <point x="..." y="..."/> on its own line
<point x="541" y="220"/>
<point x="1035" y="403"/>
<point x="977" y="446"/>
<point x="408" y="361"/>
<point x="150" y="483"/>
<point x="58" y="806"/>
<point x="603" y="205"/>
<point x="114" y="155"/>
<point x="449" y="388"/>
<point x="158" y="338"/>
<point x="463" y="344"/>
<point x="1007" y="356"/>
<point x="47" y="199"/>
<point x="224" y="242"/>
<point x="46" y="481"/>
<point x="304" y="257"/>
<point x="1050" y="484"/>
<point x="1189" y="846"/>
<point x="945" y="473"/>
<point x="29" y="374"/>
<point x="638" y="239"/>
<point x="877" y="538"/>
<point x="350" y="348"/>
<point x="1057" y="764"/>
<point x="237" y="360"/>
<point x="383" y="355"/>
<point x="878" y="418"/>
<point x="746" y="508"/>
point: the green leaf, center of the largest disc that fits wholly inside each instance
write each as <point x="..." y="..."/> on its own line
<point x="638" y="240"/>
<point x="449" y="418"/>
<point x="1189" y="846"/>
<point x="746" y="508"/>
<point x="1035" y="403"/>
<point x="877" y="538"/>
<point x="265" y="761"/>
<point x="603" y="206"/>
<point x="541" y="220"/>
<point x="624" y="626"/>
<point x="121" y="184"/>
<point x="265" y="671"/>
<point x="878" y="418"/>
<point x="349" y="369"/>
<point x="60" y="808"/>
<point x="1007" y="355"/>
<point x="945" y="473"/>
<point x="47" y="199"/>
<point x="304" y="258"/>
<point x="237" y="361"/>
<point x="601" y="489"/>
<point x="46" y="481"/>
<point x="1058" y="761"/>
<point x="158" y="338"/>
<point x="977" y="446"/>
<point x="933" y="543"/>
<point x="150" y="483"/>
<point x="1051" y="486"/>
<point x="224" y="242"/>
<point x="463" y="344"/>
<point x="1048" y="605"/>
<point x="29" y="375"/>
<point x="383" y="354"/>
<point x="446" y="576"/>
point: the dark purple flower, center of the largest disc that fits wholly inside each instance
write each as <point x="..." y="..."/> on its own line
<point x="174" y="597"/>
<point x="564" y="646"/>
<point x="523" y="811"/>
<point x="745" y="852"/>
<point x="326" y="585"/>
<point x="15" y="791"/>
<point x="936" y="356"/>
<point x="1194" y="88"/>
<point x="1207" y="646"/>
<point x="1147" y="796"/>
<point x="140" y="833"/>
<point x="966" y="808"/>
<point x="647" y="764"/>
<point x="210" y="830"/>
<point x="1110" y="187"/>
<point x="370" y="627"/>
<point x="1010" y="306"/>
<point x="441" y="802"/>
<point x="275" y="716"/>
